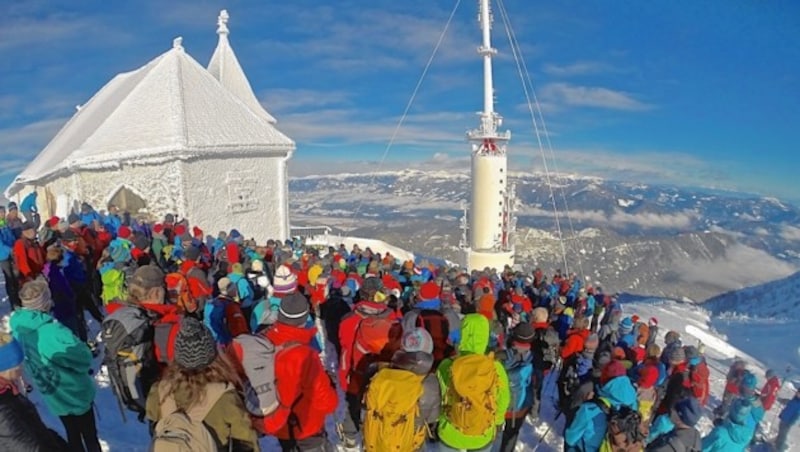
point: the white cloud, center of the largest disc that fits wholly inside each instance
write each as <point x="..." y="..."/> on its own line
<point x="789" y="232"/>
<point x="741" y="266"/>
<point x="579" y="68"/>
<point x="680" y="220"/>
<point x="591" y="96"/>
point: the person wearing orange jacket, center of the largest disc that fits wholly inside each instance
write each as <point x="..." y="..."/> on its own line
<point x="306" y="392"/>
<point x="29" y="256"/>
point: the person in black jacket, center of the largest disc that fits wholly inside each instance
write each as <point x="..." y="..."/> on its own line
<point x="21" y="428"/>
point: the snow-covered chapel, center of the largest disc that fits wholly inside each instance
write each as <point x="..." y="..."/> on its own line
<point x="171" y="137"/>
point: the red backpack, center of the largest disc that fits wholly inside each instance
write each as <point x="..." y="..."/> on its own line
<point x="374" y="339"/>
<point x="179" y="294"/>
<point x="437" y="325"/>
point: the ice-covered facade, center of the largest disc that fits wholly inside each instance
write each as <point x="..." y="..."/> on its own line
<point x="171" y="137"/>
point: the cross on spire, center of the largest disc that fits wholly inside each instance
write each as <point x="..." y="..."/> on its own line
<point x="222" y="22"/>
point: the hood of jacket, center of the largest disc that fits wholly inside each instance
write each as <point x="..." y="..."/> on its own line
<point x="281" y="333"/>
<point x="419" y="363"/>
<point x="739" y="434"/>
<point x="475" y="334"/>
<point x="619" y="391"/>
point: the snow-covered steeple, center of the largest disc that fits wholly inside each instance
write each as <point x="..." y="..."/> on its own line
<point x="224" y="66"/>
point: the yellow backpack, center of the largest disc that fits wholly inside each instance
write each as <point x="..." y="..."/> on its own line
<point x="470" y="404"/>
<point x="392" y="410"/>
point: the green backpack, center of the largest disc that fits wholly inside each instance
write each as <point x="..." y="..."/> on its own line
<point x="114" y="288"/>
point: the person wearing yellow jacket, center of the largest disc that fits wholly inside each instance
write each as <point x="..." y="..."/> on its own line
<point x="472" y="426"/>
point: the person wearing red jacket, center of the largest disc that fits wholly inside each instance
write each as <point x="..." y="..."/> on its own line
<point x="146" y="291"/>
<point x="305" y="390"/>
<point x="770" y="390"/>
<point x="372" y="305"/>
<point x="698" y="374"/>
<point x="576" y="337"/>
<point x="29" y="256"/>
<point x="199" y="287"/>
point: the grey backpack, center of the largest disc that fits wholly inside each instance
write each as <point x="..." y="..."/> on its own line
<point x="258" y="362"/>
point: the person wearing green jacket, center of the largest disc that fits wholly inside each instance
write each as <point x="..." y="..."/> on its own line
<point x="59" y="364"/>
<point x="475" y="334"/>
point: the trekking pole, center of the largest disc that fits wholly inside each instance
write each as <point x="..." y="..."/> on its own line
<point x="549" y="427"/>
<point x="118" y="396"/>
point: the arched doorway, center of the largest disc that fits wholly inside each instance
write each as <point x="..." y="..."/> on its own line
<point x="127" y="200"/>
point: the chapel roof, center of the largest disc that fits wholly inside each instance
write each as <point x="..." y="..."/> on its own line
<point x="170" y="108"/>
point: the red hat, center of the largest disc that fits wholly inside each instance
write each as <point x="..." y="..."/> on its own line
<point x="648" y="376"/>
<point x="618" y="353"/>
<point x="180" y="230"/>
<point x="653" y="321"/>
<point x="613" y="369"/>
<point x="53" y="221"/>
<point x="124" y="232"/>
<point x="197" y="232"/>
<point x="158" y="228"/>
<point x="635" y="318"/>
<point x="429" y="291"/>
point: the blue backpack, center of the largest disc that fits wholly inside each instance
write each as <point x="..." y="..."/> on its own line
<point x="215" y="321"/>
<point x="520" y="373"/>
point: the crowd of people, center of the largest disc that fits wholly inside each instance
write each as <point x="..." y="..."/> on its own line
<point x="217" y="341"/>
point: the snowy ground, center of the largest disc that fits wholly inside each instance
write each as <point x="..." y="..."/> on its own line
<point x="759" y="342"/>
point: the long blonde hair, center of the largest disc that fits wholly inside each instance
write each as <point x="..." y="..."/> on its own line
<point x="187" y="387"/>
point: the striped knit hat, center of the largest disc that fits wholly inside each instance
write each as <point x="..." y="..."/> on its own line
<point x="195" y="348"/>
<point x="285" y="281"/>
<point x="293" y="310"/>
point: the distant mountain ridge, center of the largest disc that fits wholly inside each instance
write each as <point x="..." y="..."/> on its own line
<point x="650" y="239"/>
<point x="777" y="299"/>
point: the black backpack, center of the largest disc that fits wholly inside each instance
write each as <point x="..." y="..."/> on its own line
<point x="129" y="356"/>
<point x="545" y="348"/>
<point x="624" y="426"/>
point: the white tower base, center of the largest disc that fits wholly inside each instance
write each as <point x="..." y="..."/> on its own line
<point x="479" y="260"/>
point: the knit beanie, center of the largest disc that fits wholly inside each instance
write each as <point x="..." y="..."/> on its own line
<point x="124" y="232"/>
<point x="689" y="411"/>
<point x="677" y="355"/>
<point x="417" y="340"/>
<point x="672" y="336"/>
<point x="429" y="291"/>
<point x="147" y="277"/>
<point x="626" y="326"/>
<point x="195" y="348"/>
<point x="237" y="268"/>
<point x="540" y="315"/>
<point x="35" y="295"/>
<point x="523" y="332"/>
<point x="11" y="355"/>
<point x="293" y="310"/>
<point x="285" y="281"/>
<point x="613" y="369"/>
<point x="192" y="253"/>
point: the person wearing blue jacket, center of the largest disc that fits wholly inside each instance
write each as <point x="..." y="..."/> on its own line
<point x="733" y="434"/>
<point x="788" y="417"/>
<point x="58" y="363"/>
<point x="588" y="429"/>
<point x="7" y="240"/>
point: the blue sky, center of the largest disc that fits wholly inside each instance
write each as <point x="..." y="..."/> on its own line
<point x="696" y="93"/>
